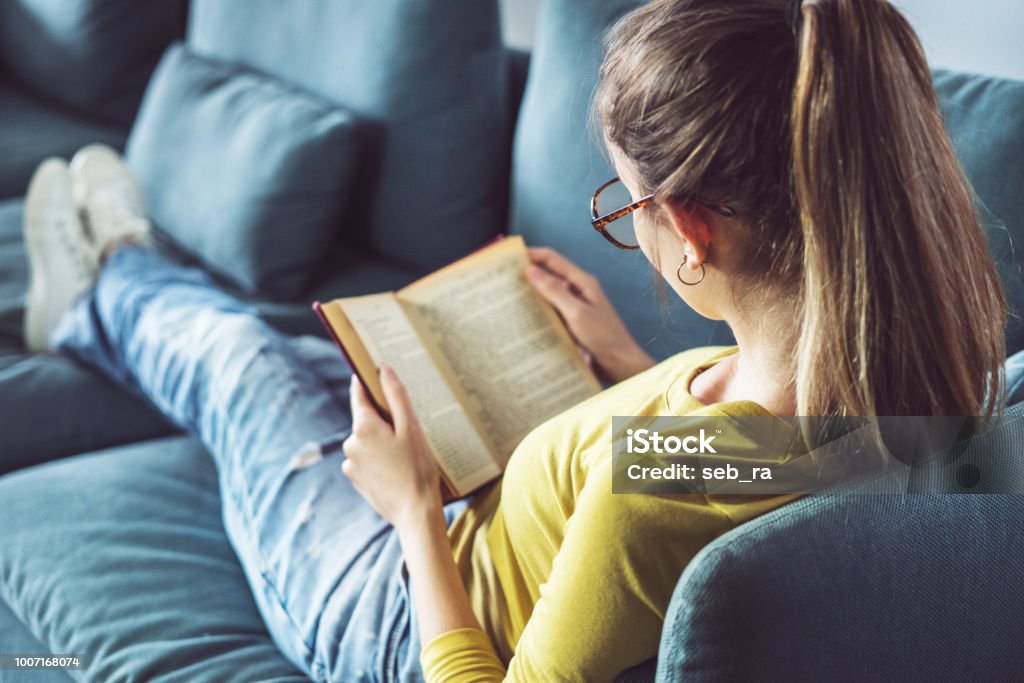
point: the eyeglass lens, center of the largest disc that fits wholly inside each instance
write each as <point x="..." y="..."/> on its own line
<point x="613" y="198"/>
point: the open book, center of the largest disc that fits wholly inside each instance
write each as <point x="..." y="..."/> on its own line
<point x="485" y="359"/>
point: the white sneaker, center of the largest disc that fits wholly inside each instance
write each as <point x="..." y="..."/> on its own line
<point x="62" y="262"/>
<point x="109" y="200"/>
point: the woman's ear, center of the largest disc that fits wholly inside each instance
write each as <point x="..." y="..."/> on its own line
<point x="692" y="223"/>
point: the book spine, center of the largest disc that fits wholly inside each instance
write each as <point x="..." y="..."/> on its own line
<point x="318" y="309"/>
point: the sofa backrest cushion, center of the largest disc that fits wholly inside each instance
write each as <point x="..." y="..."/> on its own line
<point x="429" y="76"/>
<point x="247" y="173"/>
<point x="558" y="163"/>
<point x="91" y="55"/>
<point x="985" y="119"/>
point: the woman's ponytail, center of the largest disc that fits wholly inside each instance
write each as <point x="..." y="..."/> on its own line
<point x="819" y="125"/>
<point x="903" y="313"/>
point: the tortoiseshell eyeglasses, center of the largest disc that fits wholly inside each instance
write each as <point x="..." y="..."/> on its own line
<point x="612" y="210"/>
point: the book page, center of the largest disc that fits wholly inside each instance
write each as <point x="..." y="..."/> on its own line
<point x="507" y="349"/>
<point x="390" y="338"/>
<point x="352" y="347"/>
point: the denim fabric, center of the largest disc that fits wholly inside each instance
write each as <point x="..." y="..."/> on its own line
<point x="325" y="569"/>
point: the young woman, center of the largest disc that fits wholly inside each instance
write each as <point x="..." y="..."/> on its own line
<point x="789" y="174"/>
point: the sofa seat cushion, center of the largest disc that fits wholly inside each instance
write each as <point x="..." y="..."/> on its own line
<point x="34" y="129"/>
<point x="15" y="638"/>
<point x="13" y="273"/>
<point x="121" y="555"/>
<point x="350" y="272"/>
<point x="51" y="407"/>
<point x="249" y="174"/>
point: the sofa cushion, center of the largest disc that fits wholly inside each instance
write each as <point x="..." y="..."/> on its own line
<point x="985" y="119"/>
<point x="859" y="587"/>
<point x="558" y="164"/>
<point x="144" y="581"/>
<point x="435" y="92"/>
<point x="92" y="55"/>
<point x="248" y="173"/>
<point x="34" y="129"/>
<point x="51" y="407"/>
<point x="14" y="637"/>
<point x="13" y="274"/>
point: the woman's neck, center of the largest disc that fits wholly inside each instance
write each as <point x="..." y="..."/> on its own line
<point x="760" y="372"/>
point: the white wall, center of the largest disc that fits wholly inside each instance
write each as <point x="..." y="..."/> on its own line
<point x="518" y="17"/>
<point x="984" y="36"/>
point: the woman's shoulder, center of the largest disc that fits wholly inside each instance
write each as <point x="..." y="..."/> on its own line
<point x="647" y="393"/>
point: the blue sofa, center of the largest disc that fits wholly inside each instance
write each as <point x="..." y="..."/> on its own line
<point x="110" y="536"/>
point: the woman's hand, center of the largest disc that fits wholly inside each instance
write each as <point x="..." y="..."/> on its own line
<point x="592" y="320"/>
<point x="395" y="470"/>
<point x="393" y="467"/>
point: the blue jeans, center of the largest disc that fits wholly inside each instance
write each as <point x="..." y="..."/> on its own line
<point x="325" y="569"/>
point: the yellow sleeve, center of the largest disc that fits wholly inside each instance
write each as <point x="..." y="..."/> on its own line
<point x="464" y="655"/>
<point x="602" y="608"/>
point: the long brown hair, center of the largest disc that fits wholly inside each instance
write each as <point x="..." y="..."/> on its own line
<point x="821" y="127"/>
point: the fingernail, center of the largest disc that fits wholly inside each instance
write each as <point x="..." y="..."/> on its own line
<point x="387" y="370"/>
<point x="532" y="271"/>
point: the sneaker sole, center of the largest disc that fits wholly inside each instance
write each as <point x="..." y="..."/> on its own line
<point x="51" y="181"/>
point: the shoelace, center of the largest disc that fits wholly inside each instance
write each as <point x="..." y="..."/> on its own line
<point x="108" y="217"/>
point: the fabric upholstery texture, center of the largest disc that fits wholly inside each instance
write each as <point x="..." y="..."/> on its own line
<point x="124" y="551"/>
<point x="871" y="588"/>
<point x="92" y="55"/>
<point x="15" y="638"/>
<point x="34" y="129"/>
<point x="985" y="119"/>
<point x="49" y="406"/>
<point x="282" y="159"/>
<point x="106" y="552"/>
<point x="13" y="274"/>
<point x="434" y="186"/>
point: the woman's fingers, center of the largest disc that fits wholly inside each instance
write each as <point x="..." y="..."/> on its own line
<point x="556" y="291"/>
<point x="555" y="263"/>
<point x="364" y="414"/>
<point x="398" y="399"/>
<point x="358" y="399"/>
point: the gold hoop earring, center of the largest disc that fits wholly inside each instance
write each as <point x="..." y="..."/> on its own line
<point x="679" y="274"/>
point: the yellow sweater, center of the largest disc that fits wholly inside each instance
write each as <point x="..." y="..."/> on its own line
<point x="569" y="581"/>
